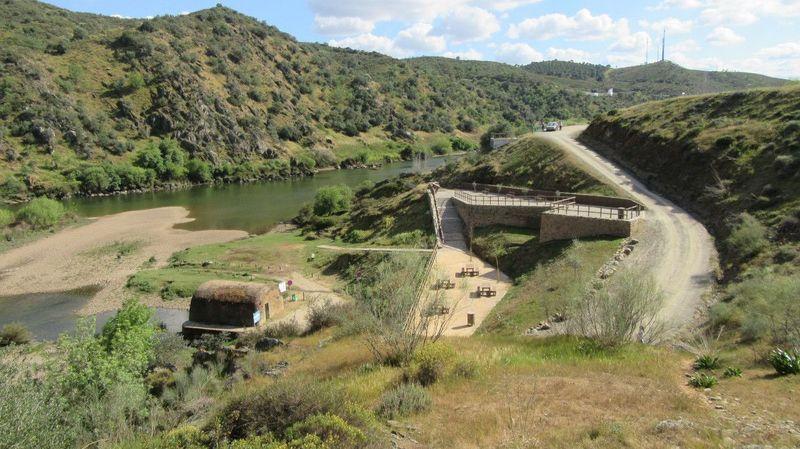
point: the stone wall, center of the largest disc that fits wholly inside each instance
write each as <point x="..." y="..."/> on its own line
<point x="559" y="227"/>
<point x="520" y="216"/>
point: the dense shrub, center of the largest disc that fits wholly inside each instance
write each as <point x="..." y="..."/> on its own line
<point x="748" y="237"/>
<point x="41" y="213"/>
<point x="94" y="179"/>
<point x="199" y="171"/>
<point x="441" y="146"/>
<point x="330" y="428"/>
<point x="404" y="400"/>
<point x="14" y="333"/>
<point x="430" y="363"/>
<point x="785" y="362"/>
<point x="322" y="314"/>
<point x="461" y="144"/>
<point x="6" y="217"/>
<point x="764" y="306"/>
<point x="277" y="407"/>
<point x="702" y="380"/>
<point x="332" y="199"/>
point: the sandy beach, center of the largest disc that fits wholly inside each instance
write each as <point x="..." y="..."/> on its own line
<point x="85" y="255"/>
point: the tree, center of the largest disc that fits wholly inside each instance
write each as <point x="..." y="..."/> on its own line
<point x="401" y="314"/>
<point x="199" y="171"/>
<point x="332" y="199"/>
<point x="495" y="247"/>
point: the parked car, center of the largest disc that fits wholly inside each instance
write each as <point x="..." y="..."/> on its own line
<point x="551" y="126"/>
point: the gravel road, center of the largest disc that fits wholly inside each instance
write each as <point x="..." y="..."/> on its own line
<point x="684" y="260"/>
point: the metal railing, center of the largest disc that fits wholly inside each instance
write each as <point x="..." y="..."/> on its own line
<point x="437" y="220"/>
<point x="510" y="200"/>
<point x="611" y="213"/>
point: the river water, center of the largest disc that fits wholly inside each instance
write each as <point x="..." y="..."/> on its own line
<point x="254" y="208"/>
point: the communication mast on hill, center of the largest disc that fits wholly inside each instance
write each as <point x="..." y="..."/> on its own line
<point x="663" y="43"/>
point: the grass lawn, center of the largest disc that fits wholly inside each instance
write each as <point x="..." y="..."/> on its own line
<point x="262" y="258"/>
<point x="545" y="275"/>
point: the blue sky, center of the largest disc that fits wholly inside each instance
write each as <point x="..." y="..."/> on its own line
<point x="759" y="36"/>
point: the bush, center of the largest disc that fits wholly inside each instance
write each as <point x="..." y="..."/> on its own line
<point x="325" y="314"/>
<point x="198" y="171"/>
<point x="768" y="307"/>
<point x="282" y="329"/>
<point x="430" y="363"/>
<point x="404" y="400"/>
<point x="466" y="368"/>
<point x="622" y="309"/>
<point x="702" y="380"/>
<point x="460" y="144"/>
<point x="14" y="333"/>
<point x="732" y="372"/>
<point x="441" y="146"/>
<point x="748" y="237"/>
<point x="277" y="407"/>
<point x="6" y="217"/>
<point x="332" y="199"/>
<point x="707" y="362"/>
<point x="330" y="428"/>
<point x="785" y="362"/>
<point x="41" y="213"/>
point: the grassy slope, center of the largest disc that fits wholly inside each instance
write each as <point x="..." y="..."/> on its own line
<point x="230" y="89"/>
<point x="718" y="155"/>
<point x="529" y="162"/>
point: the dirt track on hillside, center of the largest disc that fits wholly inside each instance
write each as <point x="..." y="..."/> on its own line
<point x="81" y="256"/>
<point x="684" y="259"/>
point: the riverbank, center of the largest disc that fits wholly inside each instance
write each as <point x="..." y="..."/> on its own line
<point x="103" y="253"/>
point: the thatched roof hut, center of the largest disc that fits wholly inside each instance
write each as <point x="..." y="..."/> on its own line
<point x="230" y="303"/>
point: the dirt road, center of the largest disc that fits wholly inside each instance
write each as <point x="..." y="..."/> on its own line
<point x="684" y="259"/>
<point x="104" y="252"/>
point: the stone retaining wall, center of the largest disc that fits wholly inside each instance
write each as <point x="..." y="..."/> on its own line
<point x="560" y="227"/>
<point x="520" y="216"/>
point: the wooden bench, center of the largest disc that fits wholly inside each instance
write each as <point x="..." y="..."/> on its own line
<point x="445" y="284"/>
<point x="469" y="270"/>
<point x="486" y="291"/>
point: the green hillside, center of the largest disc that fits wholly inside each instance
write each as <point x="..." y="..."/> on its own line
<point x="733" y="160"/>
<point x="92" y="104"/>
<point x="652" y="81"/>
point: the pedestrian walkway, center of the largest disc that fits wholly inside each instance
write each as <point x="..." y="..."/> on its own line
<point x="451" y="259"/>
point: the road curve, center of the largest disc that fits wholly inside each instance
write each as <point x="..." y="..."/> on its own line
<point x="685" y="260"/>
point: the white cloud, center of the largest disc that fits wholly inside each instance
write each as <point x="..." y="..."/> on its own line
<point x="468" y="24"/>
<point x="408" y="11"/>
<point x="671" y="25"/>
<point x="685" y="46"/>
<point x="747" y="12"/>
<point x="120" y="16"/>
<point x="681" y="4"/>
<point x="418" y="38"/>
<point x="468" y="55"/>
<point x="568" y="54"/>
<point x="781" y="51"/>
<point x="582" y="26"/>
<point x="722" y="36"/>
<point x="517" y="53"/>
<point x="342" y="26"/>
<point x="370" y="42"/>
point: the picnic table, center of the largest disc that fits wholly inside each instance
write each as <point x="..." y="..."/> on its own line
<point x="469" y="270"/>
<point x="445" y="284"/>
<point x="486" y="291"/>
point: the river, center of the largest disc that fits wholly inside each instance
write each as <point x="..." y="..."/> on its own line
<point x="254" y="208"/>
